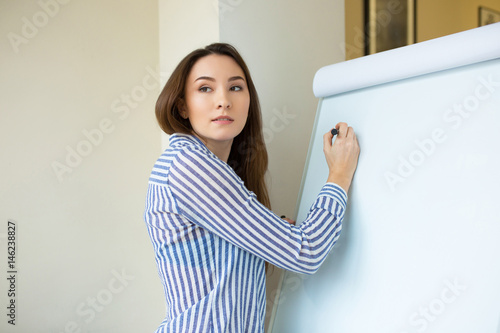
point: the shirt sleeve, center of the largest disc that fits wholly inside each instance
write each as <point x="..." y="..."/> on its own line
<point x="210" y="194"/>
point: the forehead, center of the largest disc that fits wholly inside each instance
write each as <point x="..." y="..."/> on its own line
<point x="216" y="66"/>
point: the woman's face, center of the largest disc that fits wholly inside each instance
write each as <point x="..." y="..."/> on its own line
<point x="216" y="100"/>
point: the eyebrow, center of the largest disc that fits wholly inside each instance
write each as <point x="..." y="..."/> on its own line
<point x="232" y="78"/>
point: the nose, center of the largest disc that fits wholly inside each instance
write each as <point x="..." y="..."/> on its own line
<point x="223" y="100"/>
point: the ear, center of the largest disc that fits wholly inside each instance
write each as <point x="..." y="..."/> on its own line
<point x="181" y="106"/>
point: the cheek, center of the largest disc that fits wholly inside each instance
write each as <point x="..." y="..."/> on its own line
<point x="196" y="107"/>
<point x="248" y="112"/>
<point x="246" y="104"/>
<point x="194" y="102"/>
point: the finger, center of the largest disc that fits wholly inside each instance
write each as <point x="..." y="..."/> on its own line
<point x="342" y="129"/>
<point x="356" y="141"/>
<point x="327" y="139"/>
<point x="350" y="132"/>
<point x="287" y="219"/>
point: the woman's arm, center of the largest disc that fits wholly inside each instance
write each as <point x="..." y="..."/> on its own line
<point x="208" y="193"/>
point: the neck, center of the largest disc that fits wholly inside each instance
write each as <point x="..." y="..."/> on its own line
<point x="221" y="149"/>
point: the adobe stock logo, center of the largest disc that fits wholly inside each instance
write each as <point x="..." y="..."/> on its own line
<point x="277" y="123"/>
<point x="121" y="108"/>
<point x="92" y="306"/>
<point x="454" y="118"/>
<point x="31" y="27"/>
<point x="382" y="19"/>
<point x="429" y="313"/>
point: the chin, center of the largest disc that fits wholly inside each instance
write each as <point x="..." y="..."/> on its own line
<point x="220" y="134"/>
<point x="226" y="135"/>
<point x="224" y="138"/>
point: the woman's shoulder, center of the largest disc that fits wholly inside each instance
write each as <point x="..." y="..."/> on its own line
<point x="191" y="158"/>
<point x="181" y="147"/>
<point x="185" y="144"/>
<point x="178" y="140"/>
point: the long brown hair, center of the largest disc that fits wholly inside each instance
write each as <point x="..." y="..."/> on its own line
<point x="248" y="156"/>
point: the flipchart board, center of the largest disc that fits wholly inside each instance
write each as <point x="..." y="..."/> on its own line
<point x="420" y="244"/>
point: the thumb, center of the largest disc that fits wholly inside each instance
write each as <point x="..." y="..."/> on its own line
<point x="327" y="140"/>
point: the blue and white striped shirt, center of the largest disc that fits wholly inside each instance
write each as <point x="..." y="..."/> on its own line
<point x="211" y="237"/>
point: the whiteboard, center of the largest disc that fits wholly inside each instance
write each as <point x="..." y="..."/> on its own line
<point x="419" y="249"/>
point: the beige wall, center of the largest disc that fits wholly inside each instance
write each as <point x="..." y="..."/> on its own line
<point x="180" y="33"/>
<point x="77" y="89"/>
<point x="435" y="18"/>
<point x="354" y="29"/>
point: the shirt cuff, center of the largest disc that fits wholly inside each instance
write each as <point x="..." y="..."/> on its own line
<point x="335" y="191"/>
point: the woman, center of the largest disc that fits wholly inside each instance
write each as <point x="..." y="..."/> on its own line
<point x="207" y="209"/>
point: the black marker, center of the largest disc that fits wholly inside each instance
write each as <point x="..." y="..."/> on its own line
<point x="334" y="132"/>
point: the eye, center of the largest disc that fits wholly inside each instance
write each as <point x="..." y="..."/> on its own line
<point x="236" y="88"/>
<point x="205" y="89"/>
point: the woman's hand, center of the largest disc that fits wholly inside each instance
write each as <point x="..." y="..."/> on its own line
<point x="292" y="222"/>
<point x="342" y="155"/>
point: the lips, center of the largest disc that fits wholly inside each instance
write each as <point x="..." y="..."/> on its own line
<point x="223" y="120"/>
